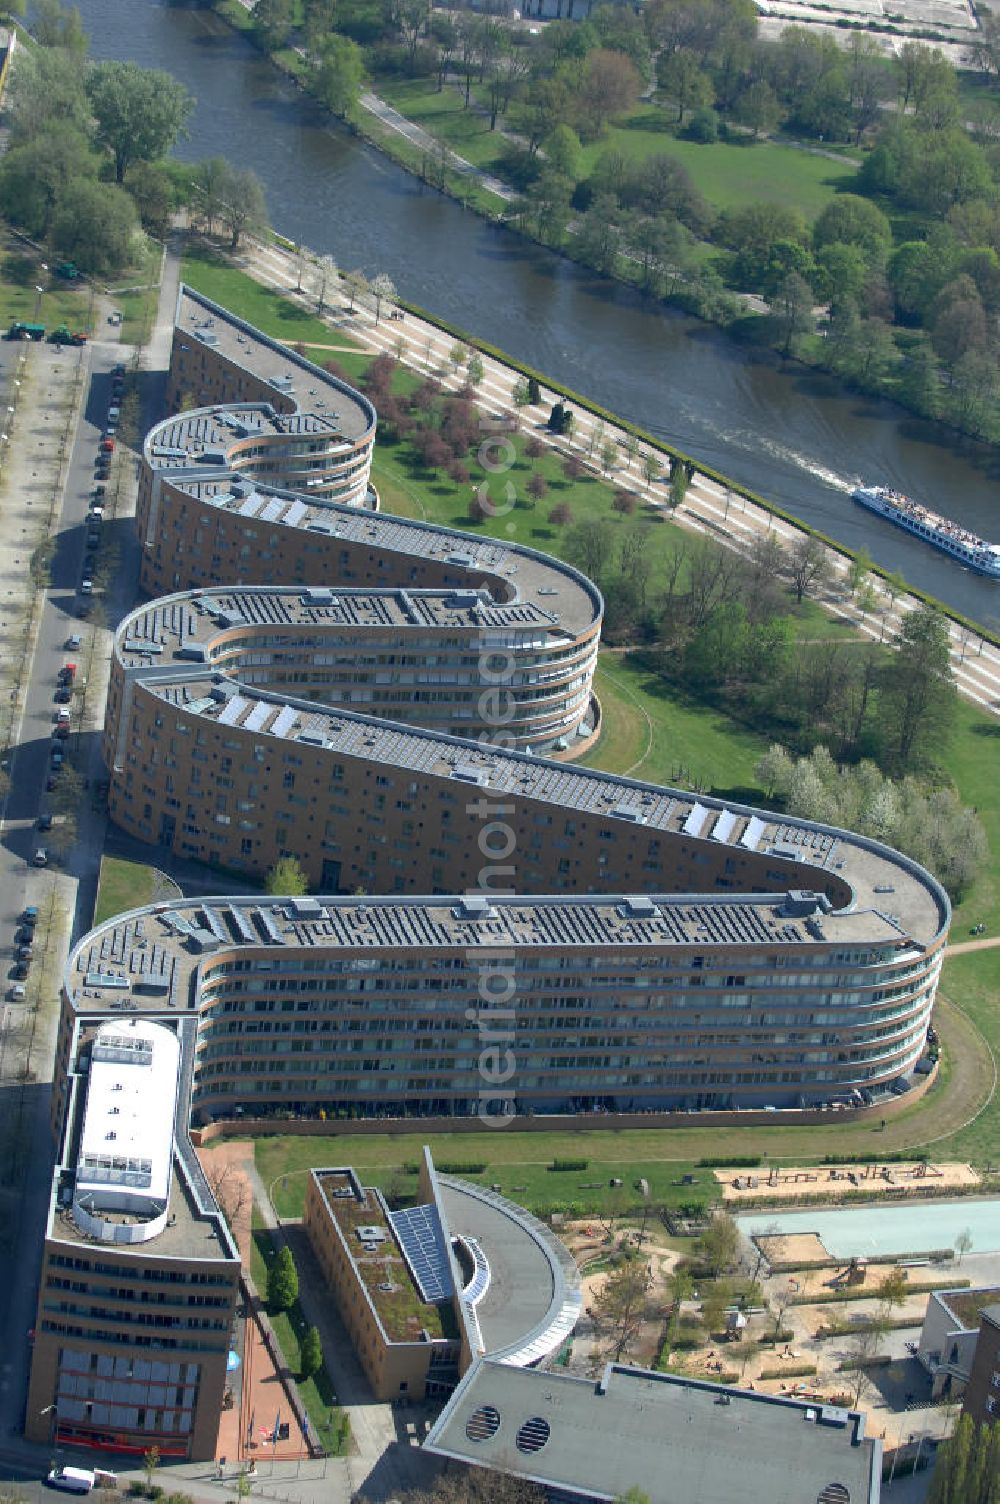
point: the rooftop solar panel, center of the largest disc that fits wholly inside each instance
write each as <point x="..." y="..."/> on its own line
<point x="418" y="1231"/>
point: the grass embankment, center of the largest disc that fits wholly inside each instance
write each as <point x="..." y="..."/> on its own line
<point x="122" y="885"/>
<point x="317" y="1393"/>
<point x="207" y="272"/>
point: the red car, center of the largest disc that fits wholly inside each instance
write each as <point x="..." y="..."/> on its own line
<point x="107" y="445"/>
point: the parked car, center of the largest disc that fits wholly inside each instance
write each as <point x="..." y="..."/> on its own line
<point x="25" y="952"/>
<point x="62" y="730"/>
<point x="107" y="445"/>
<point x="63" y="694"/>
<point x="17" y="993"/>
<point x="67" y="673"/>
<point x="20" y="972"/>
<point x="73" y="642"/>
<point x="29" y="915"/>
<point x="41" y="857"/>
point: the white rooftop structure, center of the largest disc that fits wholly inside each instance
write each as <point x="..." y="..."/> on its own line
<point x="123" y="1169"/>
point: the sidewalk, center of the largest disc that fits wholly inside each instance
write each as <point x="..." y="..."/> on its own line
<point x="709" y="508"/>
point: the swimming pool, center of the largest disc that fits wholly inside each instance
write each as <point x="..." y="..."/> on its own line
<point x="865" y="1231"/>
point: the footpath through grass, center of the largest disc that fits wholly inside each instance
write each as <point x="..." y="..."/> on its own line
<point x="328" y="1423"/>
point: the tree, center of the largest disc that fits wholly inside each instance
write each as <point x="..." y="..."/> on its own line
<point x="808" y="565"/>
<point x="967" y="1466"/>
<point x="150" y="1462"/>
<point x="273" y="20"/>
<point x="520" y="395"/>
<point x="792" y="310"/>
<point x="620" y="1305"/>
<point x="474" y="368"/>
<point x="286" y="879"/>
<point x="683" y="80"/>
<point x="324" y="277"/>
<point x="917" y="696"/>
<point x="562" y="152"/>
<point x="678" y="483"/>
<point x="851" y="220"/>
<point x="652" y="467"/>
<point x="318" y="19"/>
<point x="95" y="225"/>
<point x="244" y="208"/>
<point x="339" y="74"/>
<point x="716" y="1301"/>
<point x="609" y="87"/>
<point x="561" y="514"/>
<point x="356" y="286"/>
<point x="140" y="112"/>
<point x="310" y="1353"/>
<point x="963" y="1243"/>
<point x="383" y="290"/>
<point x="537" y="487"/>
<point x="35" y="176"/>
<point x="282" y="1281"/>
<point x="609" y="456"/>
<point x="759" y="108"/>
<point x="58" y="26"/>
<point x="719" y="1244"/>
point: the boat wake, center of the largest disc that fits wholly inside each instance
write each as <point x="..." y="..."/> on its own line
<point x="808" y="466"/>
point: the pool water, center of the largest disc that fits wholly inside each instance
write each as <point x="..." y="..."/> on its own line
<point x="865" y="1231"/>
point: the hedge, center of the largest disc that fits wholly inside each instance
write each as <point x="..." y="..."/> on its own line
<point x="831" y="1297"/>
<point x="790" y="1371"/>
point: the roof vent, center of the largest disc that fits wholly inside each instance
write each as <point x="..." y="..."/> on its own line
<point x="483" y="1423"/>
<point x="474" y="907"/>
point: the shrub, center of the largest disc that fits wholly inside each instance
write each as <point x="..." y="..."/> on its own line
<point x="790" y="1371"/>
<point x="461" y="1166"/>
<point x="569" y="1164"/>
<point x="734" y="1162"/>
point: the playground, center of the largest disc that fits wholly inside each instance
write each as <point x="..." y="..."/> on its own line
<point x="827" y="1182"/>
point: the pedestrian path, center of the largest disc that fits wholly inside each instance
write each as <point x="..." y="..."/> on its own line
<point x="709" y="507"/>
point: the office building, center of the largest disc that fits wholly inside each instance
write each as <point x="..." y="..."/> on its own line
<point x="140" y="1276"/>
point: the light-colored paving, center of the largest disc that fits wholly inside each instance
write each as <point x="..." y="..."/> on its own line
<point x="708" y="508"/>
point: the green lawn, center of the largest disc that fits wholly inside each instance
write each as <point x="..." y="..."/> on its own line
<point x="971" y="758"/>
<point x="729" y="175"/>
<point x="316" y="1393"/>
<point x="658" y="737"/>
<point x="123" y="885"/>
<point x="444" y="115"/>
<point x="972" y="982"/>
<point x="261" y="306"/>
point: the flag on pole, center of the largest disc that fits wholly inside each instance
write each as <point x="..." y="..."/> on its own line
<point x="277" y="1426"/>
<point x="250" y="1427"/>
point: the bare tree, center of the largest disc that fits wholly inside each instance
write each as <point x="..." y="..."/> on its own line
<point x="808" y="565"/>
<point x="618" y="1310"/>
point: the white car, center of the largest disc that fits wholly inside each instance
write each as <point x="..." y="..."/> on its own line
<point x="73" y="641"/>
<point x="74" y="1480"/>
<point x="86" y="586"/>
<point x="41" y="857"/>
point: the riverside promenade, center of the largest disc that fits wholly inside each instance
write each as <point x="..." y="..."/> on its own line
<point x="708" y="507"/>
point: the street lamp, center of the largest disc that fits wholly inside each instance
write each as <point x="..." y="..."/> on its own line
<point x="38" y="300"/>
<point x="52" y="1410"/>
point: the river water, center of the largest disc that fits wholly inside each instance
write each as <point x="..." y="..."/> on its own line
<point x="782" y="431"/>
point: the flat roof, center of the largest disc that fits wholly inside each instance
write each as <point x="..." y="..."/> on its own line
<point x="675" y="1439"/>
<point x="126" y="1146"/>
<point x="369" y="1237"/>
<point x="967" y="1306"/>
<point x="146" y="960"/>
<point x="303" y="386"/>
<point x="892" y="894"/>
<point x="533" y="1298"/>
<point x="161" y="630"/>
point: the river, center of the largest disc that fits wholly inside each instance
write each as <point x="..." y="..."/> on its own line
<point x="784" y="432"/>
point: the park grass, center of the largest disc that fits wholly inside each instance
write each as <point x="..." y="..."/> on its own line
<point x="729" y="175"/>
<point x="658" y="736"/>
<point x="272" y="313"/>
<point x="972" y="983"/>
<point x="317" y="1393"/>
<point x="122" y="885"/>
<point x="970" y="759"/>
<point x="60" y="304"/>
<point x="445" y="117"/>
